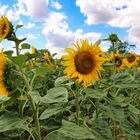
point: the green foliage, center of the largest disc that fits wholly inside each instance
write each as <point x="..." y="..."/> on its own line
<point x="25" y="46"/>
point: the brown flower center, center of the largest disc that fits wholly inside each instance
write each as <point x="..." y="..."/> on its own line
<point x="84" y="62"/>
<point x="131" y="58"/>
<point x="118" y="61"/>
<point x="3" y="29"/>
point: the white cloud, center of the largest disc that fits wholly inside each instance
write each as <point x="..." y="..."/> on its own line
<point x="31" y="36"/>
<point x="120" y="13"/>
<point x="3" y="9"/>
<point x="29" y="25"/>
<point x="59" y="36"/>
<point x="56" y="5"/>
<point x="36" y="8"/>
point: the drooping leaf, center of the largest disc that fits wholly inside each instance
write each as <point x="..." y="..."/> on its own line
<point x="124" y="80"/>
<point x="50" y="111"/>
<point x="64" y="80"/>
<point x="101" y="129"/>
<point x="70" y="129"/>
<point x="115" y="112"/>
<point x="9" y="121"/>
<point x="95" y="93"/>
<point x="56" y="136"/>
<point x="133" y="109"/>
<point x="56" y="95"/>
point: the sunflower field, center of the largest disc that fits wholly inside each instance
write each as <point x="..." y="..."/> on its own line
<point x="88" y="94"/>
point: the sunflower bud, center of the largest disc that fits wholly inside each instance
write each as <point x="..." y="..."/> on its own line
<point x="113" y="38"/>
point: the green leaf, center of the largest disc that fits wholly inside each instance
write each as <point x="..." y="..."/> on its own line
<point x="3" y="98"/>
<point x="101" y="129"/>
<point x="50" y="111"/>
<point x="64" y="80"/>
<point x="128" y="127"/>
<point x="95" y="93"/>
<point x="133" y="109"/>
<point x="56" y="95"/>
<point x="35" y="96"/>
<point x="19" y="60"/>
<point x="9" y="121"/>
<point x="54" y="136"/>
<point x="115" y="112"/>
<point x="25" y="46"/>
<point x="124" y="80"/>
<point x="108" y="64"/>
<point x="98" y="42"/>
<point x="41" y="71"/>
<point x="72" y="130"/>
<point x="18" y="26"/>
<point x="9" y="53"/>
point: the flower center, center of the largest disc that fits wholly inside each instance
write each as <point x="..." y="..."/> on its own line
<point x="131" y="59"/>
<point x="84" y="62"/>
<point x="118" y="61"/>
<point x="3" y="29"/>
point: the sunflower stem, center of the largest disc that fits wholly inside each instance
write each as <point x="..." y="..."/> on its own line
<point x="113" y="47"/>
<point x="33" y="106"/>
<point x="77" y="106"/>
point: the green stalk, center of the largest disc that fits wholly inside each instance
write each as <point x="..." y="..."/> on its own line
<point x="34" y="107"/>
<point x="17" y="48"/>
<point x="77" y="107"/>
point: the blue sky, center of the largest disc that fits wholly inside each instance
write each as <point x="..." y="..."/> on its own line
<point x="55" y="24"/>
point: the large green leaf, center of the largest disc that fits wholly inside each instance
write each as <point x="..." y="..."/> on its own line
<point x="128" y="127"/>
<point x="64" y="80"/>
<point x="124" y="80"/>
<point x="19" y="60"/>
<point x="72" y="130"/>
<point x="12" y="122"/>
<point x="115" y="112"/>
<point x="41" y="71"/>
<point x="133" y="109"/>
<point x="55" y="136"/>
<point x="55" y="95"/>
<point x="50" y="111"/>
<point x="101" y="130"/>
<point x="95" y="93"/>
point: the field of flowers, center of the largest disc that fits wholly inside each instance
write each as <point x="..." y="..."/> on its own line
<point x="88" y="94"/>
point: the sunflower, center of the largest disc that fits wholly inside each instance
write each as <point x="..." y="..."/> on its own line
<point x="5" y="27"/>
<point x="47" y="57"/>
<point x="34" y="50"/>
<point x="3" y="90"/>
<point x="84" y="63"/>
<point x="131" y="60"/>
<point x="118" y="61"/>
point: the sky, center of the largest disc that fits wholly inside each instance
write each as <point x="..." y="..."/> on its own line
<point x="56" y="24"/>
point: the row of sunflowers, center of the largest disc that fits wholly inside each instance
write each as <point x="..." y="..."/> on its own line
<point x="88" y="94"/>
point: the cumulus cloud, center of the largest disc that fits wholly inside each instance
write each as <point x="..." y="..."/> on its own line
<point x="56" y="5"/>
<point x="59" y="36"/>
<point x="29" y="25"/>
<point x="120" y="13"/>
<point x="3" y="9"/>
<point x="36" y="8"/>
